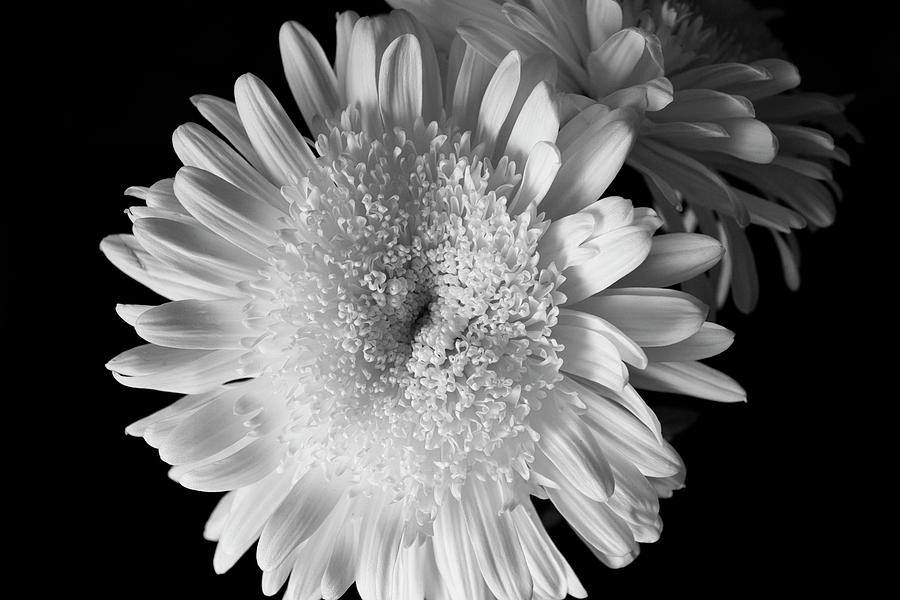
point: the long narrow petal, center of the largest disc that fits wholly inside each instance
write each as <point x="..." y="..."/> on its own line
<point x="400" y="83"/>
<point x="630" y="351"/>
<point x="196" y="251"/>
<point x="616" y="254"/>
<point x="175" y="370"/>
<point x="594" y="521"/>
<point x="649" y="316"/>
<point x="537" y="122"/>
<point x="249" y="512"/>
<point x="455" y="556"/>
<point x="498" y="99"/>
<point x="246" y="466"/>
<point x="675" y="257"/>
<point x="689" y="379"/>
<point x="223" y="115"/>
<point x="195" y="324"/>
<point x="495" y="542"/>
<point x="303" y="511"/>
<point x="591" y="162"/>
<point x="228" y="211"/>
<point x="280" y="146"/>
<point x="709" y="340"/>
<point x="570" y="445"/>
<point x="127" y="254"/>
<point x="198" y="147"/>
<point x="310" y="77"/>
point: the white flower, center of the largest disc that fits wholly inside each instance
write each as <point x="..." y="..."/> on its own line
<point x="389" y="344"/>
<point x="724" y="142"/>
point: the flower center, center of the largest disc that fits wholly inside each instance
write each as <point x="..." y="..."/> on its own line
<point x="408" y="318"/>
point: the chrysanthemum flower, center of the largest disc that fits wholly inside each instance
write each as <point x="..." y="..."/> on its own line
<point x="722" y="134"/>
<point x="389" y="343"/>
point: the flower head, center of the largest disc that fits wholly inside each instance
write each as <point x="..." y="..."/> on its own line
<point x="390" y="340"/>
<point x="724" y="142"/>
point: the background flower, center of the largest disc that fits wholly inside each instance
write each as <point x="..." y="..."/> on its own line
<point x="724" y="132"/>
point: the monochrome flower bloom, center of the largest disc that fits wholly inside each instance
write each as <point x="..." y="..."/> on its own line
<point x="723" y="135"/>
<point x="388" y="343"/>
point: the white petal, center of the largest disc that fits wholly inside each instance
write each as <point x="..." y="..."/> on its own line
<point x="789" y="262"/>
<point x="498" y="99"/>
<point x="280" y="146"/>
<point x="710" y="340"/>
<point x="621" y="431"/>
<point x="543" y="163"/>
<point x="378" y="553"/>
<point x="250" y="510"/>
<point x="675" y="257"/>
<point x="704" y="105"/>
<point x="564" y="235"/>
<point x="575" y="126"/>
<point x="442" y="16"/>
<point x="160" y="195"/>
<point x="719" y="76"/>
<point x="537" y="122"/>
<point x="672" y="169"/>
<point x="216" y="521"/>
<point x="341" y="569"/>
<point x="544" y="560"/>
<point x="628" y="57"/>
<point x="625" y="346"/>
<point x="311" y="560"/>
<point x="690" y="379"/>
<point x="591" y="163"/>
<point x="454" y="554"/>
<point x="127" y="254"/>
<point x="246" y="466"/>
<point x="175" y="370"/>
<point x="197" y="147"/>
<point x="495" y="542"/>
<point x="229" y="211"/>
<point x="475" y="72"/>
<point x="343" y="33"/>
<point x="744" y="280"/>
<point x="783" y="76"/>
<point x="595" y="522"/>
<point x="310" y="77"/>
<point x="204" y="433"/>
<point x="409" y="573"/>
<point x="570" y="445"/>
<point x="603" y="18"/>
<point x="400" y="83"/>
<point x="223" y="115"/>
<point x="747" y="139"/>
<point x="298" y="517"/>
<point x="591" y="355"/>
<point x="174" y="413"/>
<point x="649" y="316"/>
<point x="273" y="580"/>
<point x="616" y="253"/>
<point x="130" y="312"/>
<point x="196" y="251"/>
<point x="635" y="501"/>
<point x="197" y="324"/>
<point x="362" y="82"/>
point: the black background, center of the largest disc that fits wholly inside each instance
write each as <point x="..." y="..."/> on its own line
<point x="784" y="493"/>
